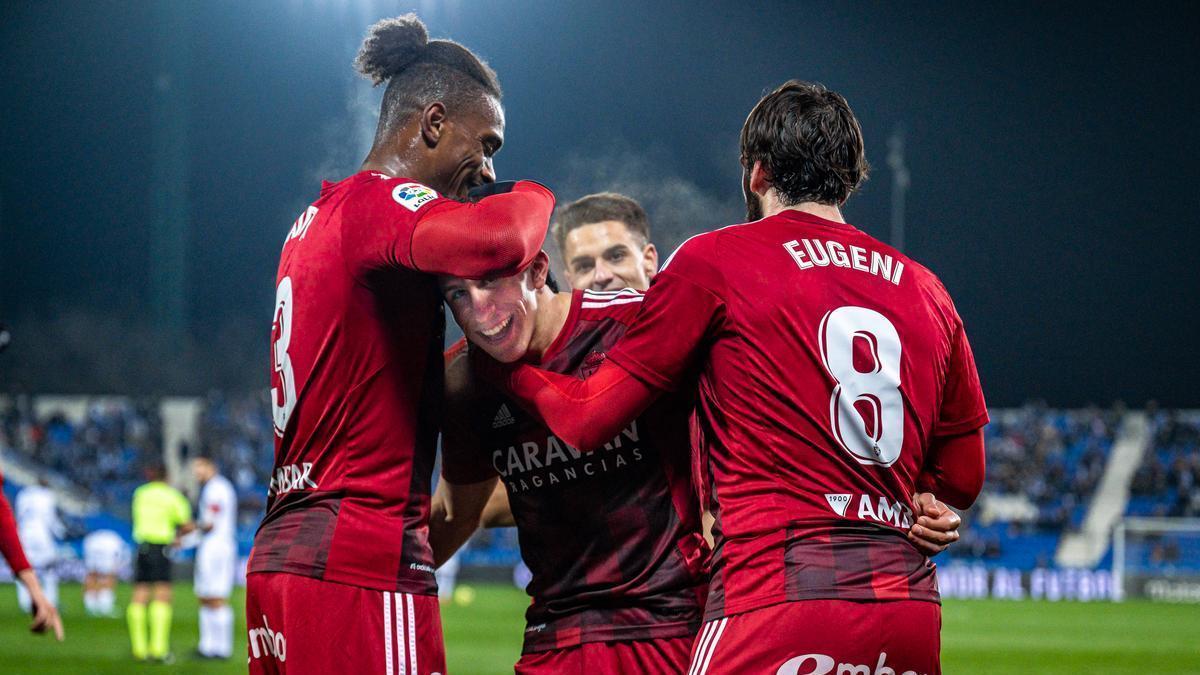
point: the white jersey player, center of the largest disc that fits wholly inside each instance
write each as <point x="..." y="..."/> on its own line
<point x="104" y="554"/>
<point x="216" y="559"/>
<point x="40" y="529"/>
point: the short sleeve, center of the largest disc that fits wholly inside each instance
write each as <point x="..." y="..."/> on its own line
<point x="464" y="450"/>
<point x="963" y="407"/>
<point x="683" y="310"/>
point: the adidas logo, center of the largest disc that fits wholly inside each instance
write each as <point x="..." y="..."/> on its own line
<point x="503" y="418"/>
<point x="838" y="502"/>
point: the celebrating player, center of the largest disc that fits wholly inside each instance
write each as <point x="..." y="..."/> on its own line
<point x="835" y="377"/>
<point x="216" y="558"/>
<point x="358" y="371"/>
<point x="604" y="240"/>
<point x="45" y="614"/>
<point x="612" y="538"/>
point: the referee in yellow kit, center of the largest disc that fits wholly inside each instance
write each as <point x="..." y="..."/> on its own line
<point x="160" y="515"/>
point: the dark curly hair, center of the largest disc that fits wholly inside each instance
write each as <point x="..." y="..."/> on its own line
<point x="419" y="71"/>
<point x="809" y="141"/>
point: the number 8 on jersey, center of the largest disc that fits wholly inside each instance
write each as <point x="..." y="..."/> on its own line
<point x="866" y="410"/>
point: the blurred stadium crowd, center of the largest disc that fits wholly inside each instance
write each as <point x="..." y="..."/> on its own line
<point x="1044" y="466"/>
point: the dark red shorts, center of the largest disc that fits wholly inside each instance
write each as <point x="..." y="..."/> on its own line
<point x="824" y="637"/>
<point x="302" y="625"/>
<point x="666" y="656"/>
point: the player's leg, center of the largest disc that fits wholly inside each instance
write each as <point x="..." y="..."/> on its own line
<point x="49" y="578"/>
<point x="91" y="601"/>
<point x="24" y="600"/>
<point x="106" y="594"/>
<point x="290" y="620"/>
<point x="135" y="615"/>
<point x="213" y="585"/>
<point x="160" y="620"/>
<point x="816" y="637"/>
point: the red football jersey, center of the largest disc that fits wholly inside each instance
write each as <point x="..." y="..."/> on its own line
<point x="10" y="544"/>
<point x="827" y="363"/>
<point x="612" y="537"/>
<point x="357" y="370"/>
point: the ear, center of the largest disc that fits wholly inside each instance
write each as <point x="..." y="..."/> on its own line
<point x="760" y="179"/>
<point x="432" y="120"/>
<point x="650" y="260"/>
<point x="539" y="269"/>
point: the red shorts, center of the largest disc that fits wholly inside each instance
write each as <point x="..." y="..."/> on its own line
<point x="824" y="637"/>
<point x="666" y="656"/>
<point x="302" y="625"/>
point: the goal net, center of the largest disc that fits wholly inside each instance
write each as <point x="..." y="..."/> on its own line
<point x="1157" y="558"/>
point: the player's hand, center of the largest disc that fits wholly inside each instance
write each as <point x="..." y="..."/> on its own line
<point x="936" y="525"/>
<point x="45" y="614"/>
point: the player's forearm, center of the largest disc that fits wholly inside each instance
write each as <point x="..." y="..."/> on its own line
<point x="586" y="413"/>
<point x="454" y="515"/>
<point x="955" y="469"/>
<point x="10" y="544"/>
<point x="496" y="236"/>
<point x="497" y="512"/>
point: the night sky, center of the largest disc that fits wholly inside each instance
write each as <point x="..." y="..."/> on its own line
<point x="1053" y="151"/>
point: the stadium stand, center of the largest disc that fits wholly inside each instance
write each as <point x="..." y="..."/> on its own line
<point x="1044" y="466"/>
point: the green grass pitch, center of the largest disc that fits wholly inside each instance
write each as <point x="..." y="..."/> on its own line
<point x="978" y="636"/>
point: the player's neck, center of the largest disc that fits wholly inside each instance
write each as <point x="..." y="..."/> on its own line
<point x="390" y="165"/>
<point x="551" y="316"/>
<point x="772" y="206"/>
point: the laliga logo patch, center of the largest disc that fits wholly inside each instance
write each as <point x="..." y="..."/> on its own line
<point x="413" y="195"/>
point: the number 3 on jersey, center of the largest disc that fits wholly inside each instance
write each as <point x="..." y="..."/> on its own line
<point x="283" y="397"/>
<point x="866" y="411"/>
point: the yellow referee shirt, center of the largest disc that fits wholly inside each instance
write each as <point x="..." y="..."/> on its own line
<point x="158" y="509"/>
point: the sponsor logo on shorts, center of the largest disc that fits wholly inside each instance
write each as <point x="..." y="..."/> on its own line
<point x="421" y="567"/>
<point x="413" y="196"/>
<point x="265" y="642"/>
<point x="823" y="664"/>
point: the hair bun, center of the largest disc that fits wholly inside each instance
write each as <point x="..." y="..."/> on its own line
<point x="390" y="47"/>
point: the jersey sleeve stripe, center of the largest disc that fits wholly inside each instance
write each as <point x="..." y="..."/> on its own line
<point x="611" y="303"/>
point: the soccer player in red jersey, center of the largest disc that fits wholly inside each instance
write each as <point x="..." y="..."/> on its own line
<point x="357" y="366"/>
<point x="633" y="501"/>
<point x="835" y="379"/>
<point x="612" y="538"/>
<point x="45" y="614"/>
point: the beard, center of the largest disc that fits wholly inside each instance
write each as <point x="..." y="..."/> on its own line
<point x="754" y="210"/>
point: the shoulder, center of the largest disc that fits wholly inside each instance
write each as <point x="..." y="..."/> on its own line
<point x="398" y="197"/>
<point x="622" y="305"/>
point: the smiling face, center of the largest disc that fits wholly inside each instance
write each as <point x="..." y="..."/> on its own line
<point x="499" y="315"/>
<point x="606" y="256"/>
<point x="467" y="142"/>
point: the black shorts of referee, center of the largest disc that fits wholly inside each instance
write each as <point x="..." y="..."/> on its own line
<point x="152" y="564"/>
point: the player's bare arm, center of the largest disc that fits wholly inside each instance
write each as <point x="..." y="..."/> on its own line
<point x="498" y="512"/>
<point x="454" y="515"/>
